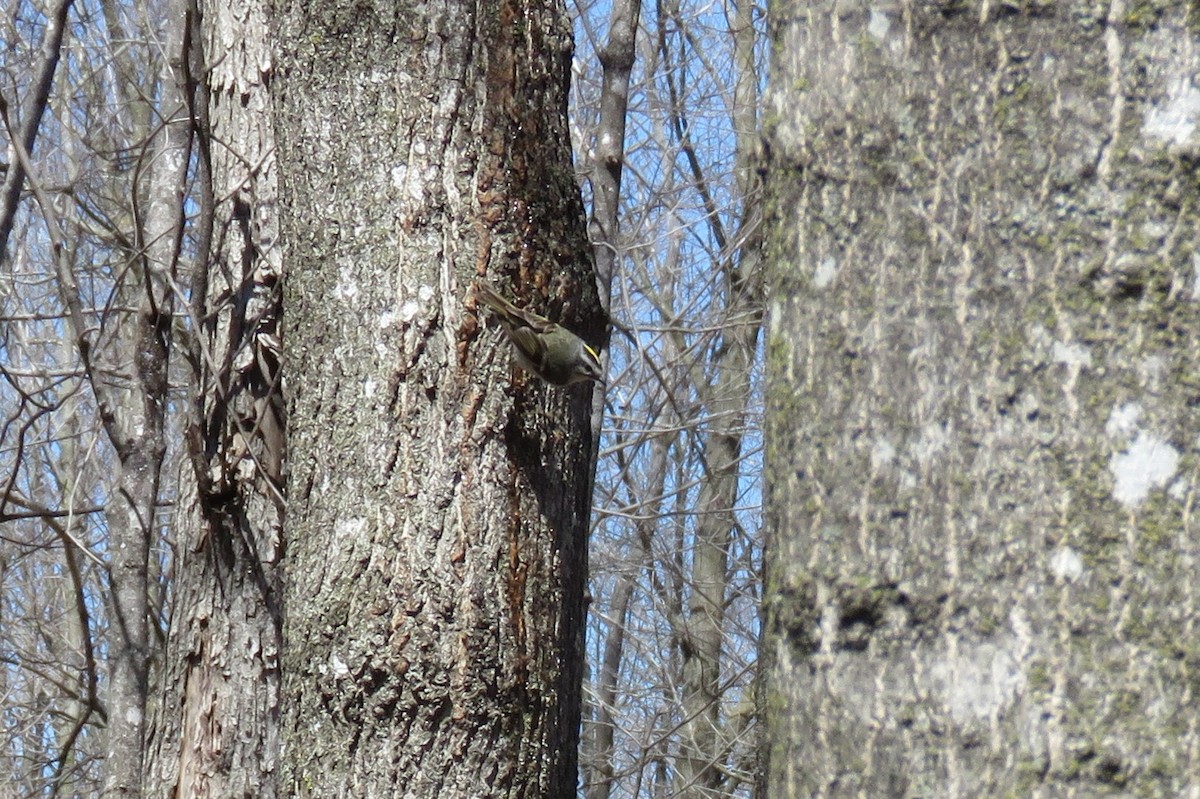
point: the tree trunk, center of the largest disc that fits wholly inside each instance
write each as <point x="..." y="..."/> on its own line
<point x="438" y="500"/>
<point x="130" y="382"/>
<point x="216" y="729"/>
<point x="706" y="731"/>
<point x="982" y="401"/>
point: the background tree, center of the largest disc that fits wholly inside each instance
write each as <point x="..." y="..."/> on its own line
<point x="982" y="400"/>
<point x="675" y="547"/>
<point x="89" y="300"/>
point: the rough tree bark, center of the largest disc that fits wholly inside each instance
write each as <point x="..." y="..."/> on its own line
<point x="438" y="500"/>
<point x="983" y="400"/>
<point x="216" y="726"/>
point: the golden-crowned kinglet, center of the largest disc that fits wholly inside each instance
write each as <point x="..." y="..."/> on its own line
<point x="549" y="350"/>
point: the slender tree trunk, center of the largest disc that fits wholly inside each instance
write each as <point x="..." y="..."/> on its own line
<point x="982" y="415"/>
<point x="601" y="728"/>
<point x="705" y="730"/>
<point x="604" y="172"/>
<point x="617" y="58"/>
<point x="27" y="119"/>
<point x="135" y="369"/>
<point x="438" y="500"/>
<point x="600" y="753"/>
<point x="217" y="727"/>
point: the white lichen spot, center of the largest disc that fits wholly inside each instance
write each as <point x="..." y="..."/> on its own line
<point x="399" y="175"/>
<point x="409" y="310"/>
<point x="1066" y="564"/>
<point x="882" y="454"/>
<point x="1174" y="118"/>
<point x="826" y="272"/>
<point x="1196" y="277"/>
<point x="878" y="25"/>
<point x="369" y="386"/>
<point x="347" y="288"/>
<point x="774" y="312"/>
<point x="1153" y="368"/>
<point x="417" y="195"/>
<point x="979" y="682"/>
<point x="932" y="441"/>
<point x="1019" y="622"/>
<point x="416" y="306"/>
<point x="387" y="319"/>
<point x="348" y="529"/>
<point x="1148" y="463"/>
<point x="337" y="666"/>
<point x="1122" y="422"/>
<point x="1071" y="354"/>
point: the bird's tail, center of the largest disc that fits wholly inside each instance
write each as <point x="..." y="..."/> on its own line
<point x="485" y="294"/>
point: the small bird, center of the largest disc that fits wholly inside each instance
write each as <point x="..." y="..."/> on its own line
<point x="545" y="348"/>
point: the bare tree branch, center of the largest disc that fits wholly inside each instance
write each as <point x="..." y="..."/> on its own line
<point x="22" y="139"/>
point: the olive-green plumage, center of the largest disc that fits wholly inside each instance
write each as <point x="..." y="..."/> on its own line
<point x="545" y="348"/>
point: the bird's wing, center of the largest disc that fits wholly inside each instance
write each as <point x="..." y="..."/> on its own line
<point x="527" y="340"/>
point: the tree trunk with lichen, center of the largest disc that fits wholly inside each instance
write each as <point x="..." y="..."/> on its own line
<point x="438" y="499"/>
<point x="982" y="401"/>
<point x="215" y="726"/>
